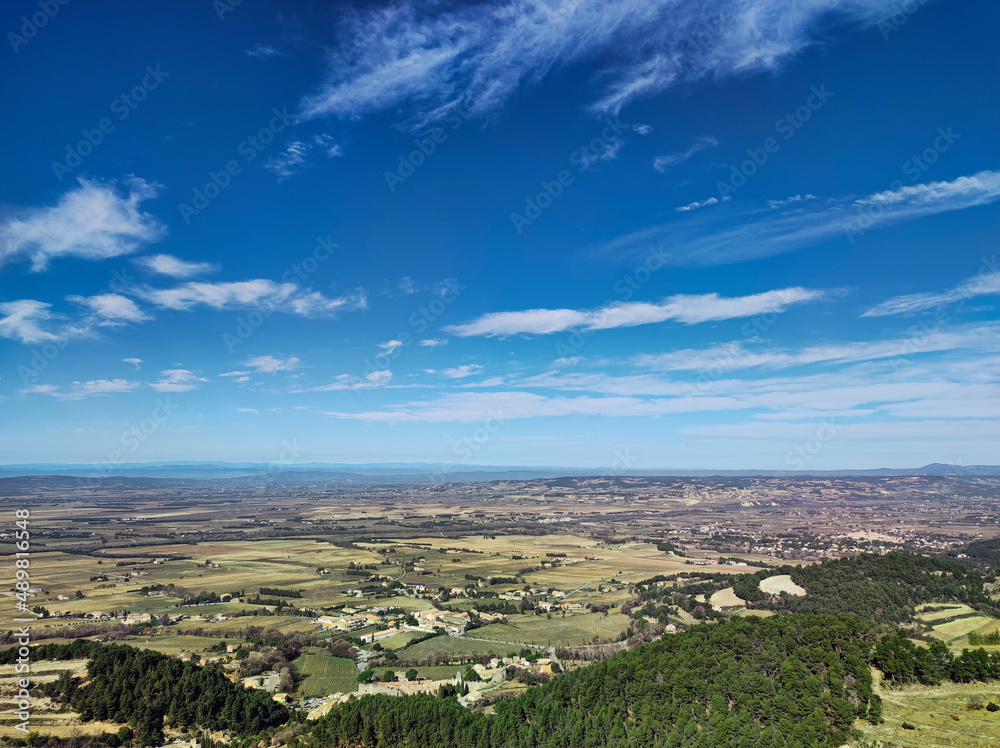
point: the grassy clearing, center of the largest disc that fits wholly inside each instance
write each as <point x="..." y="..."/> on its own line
<point x="781" y="583"/>
<point x="950" y="611"/>
<point x="933" y="711"/>
<point x="325" y="675"/>
<point x="400" y="640"/>
<point x="557" y="631"/>
<point x="726" y="599"/>
<point x="961" y="627"/>
<point x="444" y="647"/>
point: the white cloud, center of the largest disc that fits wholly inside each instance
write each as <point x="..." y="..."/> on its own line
<point x="260" y="293"/>
<point x="789" y="200"/>
<point x="111" y="308"/>
<point x="177" y="380"/>
<point x="136" y="362"/>
<point x="81" y="390"/>
<point x="734" y="356"/>
<point x="389" y="347"/>
<point x="459" y="372"/>
<point x="372" y="380"/>
<point x="30" y="322"/>
<point x="608" y="153"/>
<point x="662" y="163"/>
<point x="92" y="221"/>
<point x="743" y="235"/>
<point x="175" y="267"/>
<point x="642" y="129"/>
<point x="263" y="50"/>
<point x="986" y="283"/>
<point x="297" y="152"/>
<point x="270" y="364"/>
<point x="430" y="57"/>
<point x="703" y="204"/>
<point x="433" y="342"/>
<point x="247" y="410"/>
<point x="567" y="361"/>
<point x="234" y="374"/>
<point x="688" y="309"/>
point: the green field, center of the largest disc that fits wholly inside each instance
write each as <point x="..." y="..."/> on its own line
<point x="939" y="716"/>
<point x="441" y="648"/>
<point x="325" y="675"/>
<point x="573" y="630"/>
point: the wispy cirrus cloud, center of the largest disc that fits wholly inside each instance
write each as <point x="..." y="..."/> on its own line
<point x="372" y="380"/>
<point x="272" y="364"/>
<point x="93" y="221"/>
<point x="81" y="390"/>
<point x="984" y="284"/>
<point x="177" y="380"/>
<point x="430" y="56"/>
<point x="457" y="372"/>
<point x="687" y="309"/>
<point x="262" y="293"/>
<point x="297" y="152"/>
<point x="743" y="234"/>
<point x="175" y="267"/>
<point x="662" y="163"/>
<point x="738" y="355"/>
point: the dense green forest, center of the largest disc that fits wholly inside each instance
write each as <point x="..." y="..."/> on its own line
<point x="983" y="554"/>
<point x="783" y="681"/>
<point x="880" y="588"/>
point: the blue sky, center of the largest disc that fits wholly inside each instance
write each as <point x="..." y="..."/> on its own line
<point x="623" y="235"/>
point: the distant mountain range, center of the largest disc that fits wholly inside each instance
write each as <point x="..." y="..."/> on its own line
<point x="406" y="472"/>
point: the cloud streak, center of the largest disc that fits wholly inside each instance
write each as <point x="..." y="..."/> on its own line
<point x="687" y="309"/>
<point x="740" y="235"/>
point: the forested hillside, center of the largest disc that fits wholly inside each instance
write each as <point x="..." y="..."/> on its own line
<point x="983" y="554"/>
<point x="783" y="681"/>
<point x="145" y="689"/>
<point x="879" y="588"/>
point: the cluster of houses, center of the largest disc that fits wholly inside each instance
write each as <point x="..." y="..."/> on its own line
<point x="353" y="619"/>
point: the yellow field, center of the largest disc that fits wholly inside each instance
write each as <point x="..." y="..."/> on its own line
<point x="726" y="599"/>
<point x="781" y="583"/>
